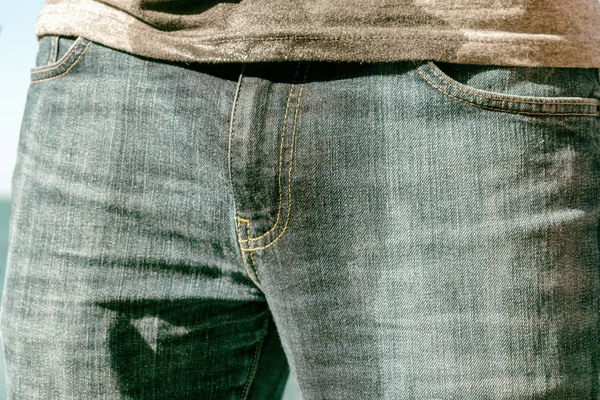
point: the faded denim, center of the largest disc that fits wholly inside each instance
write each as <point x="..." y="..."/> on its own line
<point x="408" y="230"/>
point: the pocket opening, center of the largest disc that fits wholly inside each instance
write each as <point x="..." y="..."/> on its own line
<point x="58" y="59"/>
<point x="68" y="55"/>
<point x="505" y="101"/>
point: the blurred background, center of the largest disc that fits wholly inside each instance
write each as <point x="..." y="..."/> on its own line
<point x="18" y="48"/>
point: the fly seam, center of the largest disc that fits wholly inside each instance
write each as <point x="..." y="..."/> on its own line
<point x="289" y="170"/>
<point x="244" y="256"/>
<point x="232" y="126"/>
<point x="252" y="255"/>
<point x="237" y="218"/>
<point x="251" y="239"/>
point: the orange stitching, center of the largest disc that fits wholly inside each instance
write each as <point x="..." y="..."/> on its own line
<point x="289" y="171"/>
<point x="468" y="90"/>
<point x="498" y="109"/>
<point x="74" y="47"/>
<point x="67" y="71"/>
<point x="250" y="274"/>
<point x="280" y="162"/>
<point x="255" y="358"/>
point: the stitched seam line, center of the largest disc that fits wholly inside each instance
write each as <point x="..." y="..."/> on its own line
<point x="251" y="239"/>
<point x="498" y="109"/>
<point x="255" y="359"/>
<point x="283" y="132"/>
<point x="479" y="94"/>
<point x="74" y="47"/>
<point x="252" y="255"/>
<point x="53" y="50"/>
<point x="244" y="257"/>
<point x="237" y="218"/>
<point x="289" y="170"/>
<point x="67" y="71"/>
<point x="232" y="129"/>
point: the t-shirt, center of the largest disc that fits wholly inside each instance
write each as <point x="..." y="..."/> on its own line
<point x="553" y="33"/>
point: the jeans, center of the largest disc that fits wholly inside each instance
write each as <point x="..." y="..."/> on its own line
<point x="410" y="230"/>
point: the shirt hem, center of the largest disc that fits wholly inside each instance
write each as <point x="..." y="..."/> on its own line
<point x="113" y="28"/>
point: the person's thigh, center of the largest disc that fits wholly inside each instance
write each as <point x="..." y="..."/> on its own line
<point x="124" y="276"/>
<point x="428" y="234"/>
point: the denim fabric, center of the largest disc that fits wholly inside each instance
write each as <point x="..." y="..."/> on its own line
<point x="408" y="230"/>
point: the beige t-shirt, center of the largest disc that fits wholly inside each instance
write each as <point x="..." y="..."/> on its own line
<point x="553" y="33"/>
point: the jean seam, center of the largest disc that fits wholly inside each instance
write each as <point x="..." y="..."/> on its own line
<point x="238" y="219"/>
<point x="65" y="72"/>
<point x="283" y="132"/>
<point x="255" y="358"/>
<point x="246" y="254"/>
<point x="231" y="131"/>
<point x="251" y="256"/>
<point x="249" y="240"/>
<point x="53" y="56"/>
<point x="432" y="84"/>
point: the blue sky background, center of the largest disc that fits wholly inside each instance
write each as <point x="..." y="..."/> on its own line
<point x="18" y="48"/>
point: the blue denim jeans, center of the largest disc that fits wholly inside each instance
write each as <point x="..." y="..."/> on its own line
<point x="410" y="230"/>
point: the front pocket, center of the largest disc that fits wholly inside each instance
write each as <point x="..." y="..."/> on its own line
<point x="65" y="62"/>
<point x="519" y="77"/>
